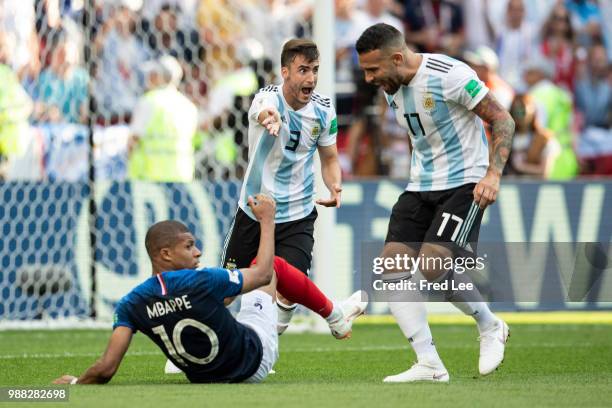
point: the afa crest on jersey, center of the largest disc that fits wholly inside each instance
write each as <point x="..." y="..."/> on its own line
<point x="315" y="132"/>
<point x="429" y="103"/>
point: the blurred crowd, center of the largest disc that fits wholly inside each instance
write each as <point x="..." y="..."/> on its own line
<point x="546" y="61"/>
<point x="171" y="80"/>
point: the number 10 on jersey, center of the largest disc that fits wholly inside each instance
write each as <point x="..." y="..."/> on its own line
<point x="175" y="345"/>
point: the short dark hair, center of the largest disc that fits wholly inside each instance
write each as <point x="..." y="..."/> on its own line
<point x="163" y="234"/>
<point x="379" y="36"/>
<point x="299" y="46"/>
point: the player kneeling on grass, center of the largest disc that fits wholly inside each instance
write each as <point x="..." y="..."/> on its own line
<point x="182" y="308"/>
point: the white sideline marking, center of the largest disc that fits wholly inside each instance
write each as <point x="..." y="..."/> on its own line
<point x="64" y="355"/>
<point x="444" y="347"/>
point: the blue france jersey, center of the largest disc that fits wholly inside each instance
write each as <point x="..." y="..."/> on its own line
<point x="183" y="313"/>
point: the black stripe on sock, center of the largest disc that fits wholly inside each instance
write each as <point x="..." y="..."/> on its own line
<point x="286" y="309"/>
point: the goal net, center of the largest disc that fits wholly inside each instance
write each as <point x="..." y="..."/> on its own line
<point x="73" y="239"/>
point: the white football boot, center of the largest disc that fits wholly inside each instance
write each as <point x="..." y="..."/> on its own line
<point x="492" y="347"/>
<point x="351" y="308"/>
<point x="171" y="368"/>
<point x="421" y="371"/>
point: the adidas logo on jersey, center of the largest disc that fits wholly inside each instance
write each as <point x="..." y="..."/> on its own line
<point x="438" y="65"/>
<point x="269" y="88"/>
<point x="326" y="102"/>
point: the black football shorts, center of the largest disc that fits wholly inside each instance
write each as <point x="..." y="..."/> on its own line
<point x="293" y="241"/>
<point x="447" y="216"/>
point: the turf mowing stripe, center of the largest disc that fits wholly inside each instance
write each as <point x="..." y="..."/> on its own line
<point x="69" y="355"/>
<point x="560" y="317"/>
<point x="574" y="317"/>
<point x="304" y="350"/>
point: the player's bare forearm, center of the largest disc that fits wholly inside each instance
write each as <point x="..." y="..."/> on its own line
<point x="99" y="373"/>
<point x="489" y="110"/>
<point x="501" y="140"/>
<point x="261" y="273"/>
<point x="502" y="132"/>
<point x="96" y="374"/>
<point x="330" y="170"/>
<point x="265" y="252"/>
<point x="264" y="209"/>
<point x="332" y="175"/>
<point x="103" y="370"/>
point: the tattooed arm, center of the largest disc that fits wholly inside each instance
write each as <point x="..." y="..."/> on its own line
<point x="502" y="126"/>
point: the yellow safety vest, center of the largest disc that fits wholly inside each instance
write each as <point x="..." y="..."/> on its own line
<point x="164" y="153"/>
<point x="15" y="108"/>
<point x="558" y="105"/>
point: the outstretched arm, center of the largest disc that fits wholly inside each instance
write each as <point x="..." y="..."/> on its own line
<point x="271" y="120"/>
<point x="103" y="370"/>
<point x="502" y="125"/>
<point x="261" y="273"/>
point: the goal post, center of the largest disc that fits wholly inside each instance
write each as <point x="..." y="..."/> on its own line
<point x="73" y="235"/>
<point x="323" y="254"/>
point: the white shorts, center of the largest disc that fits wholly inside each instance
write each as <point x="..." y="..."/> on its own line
<point x="258" y="311"/>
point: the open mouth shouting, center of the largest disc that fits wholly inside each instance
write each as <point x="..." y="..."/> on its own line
<point x="306" y="91"/>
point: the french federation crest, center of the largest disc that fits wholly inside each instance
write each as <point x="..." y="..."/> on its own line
<point x="233" y="276"/>
<point x="429" y="103"/>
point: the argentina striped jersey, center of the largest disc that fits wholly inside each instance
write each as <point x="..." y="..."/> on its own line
<point x="282" y="166"/>
<point x="450" y="147"/>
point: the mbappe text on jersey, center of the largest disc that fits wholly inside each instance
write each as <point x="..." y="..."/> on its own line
<point x="168" y="306"/>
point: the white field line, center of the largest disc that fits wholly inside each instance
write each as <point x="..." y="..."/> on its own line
<point x="290" y="350"/>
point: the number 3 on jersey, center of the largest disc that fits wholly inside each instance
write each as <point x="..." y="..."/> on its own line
<point x="294" y="140"/>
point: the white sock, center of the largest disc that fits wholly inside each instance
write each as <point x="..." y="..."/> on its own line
<point x="285" y="312"/>
<point x="471" y="302"/>
<point x="479" y="311"/>
<point x="408" y="308"/>
<point x="412" y="320"/>
<point x="335" y="315"/>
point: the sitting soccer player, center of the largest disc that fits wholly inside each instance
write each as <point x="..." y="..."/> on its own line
<point x="182" y="309"/>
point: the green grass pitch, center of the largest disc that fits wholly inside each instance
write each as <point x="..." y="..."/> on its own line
<point x="546" y="365"/>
